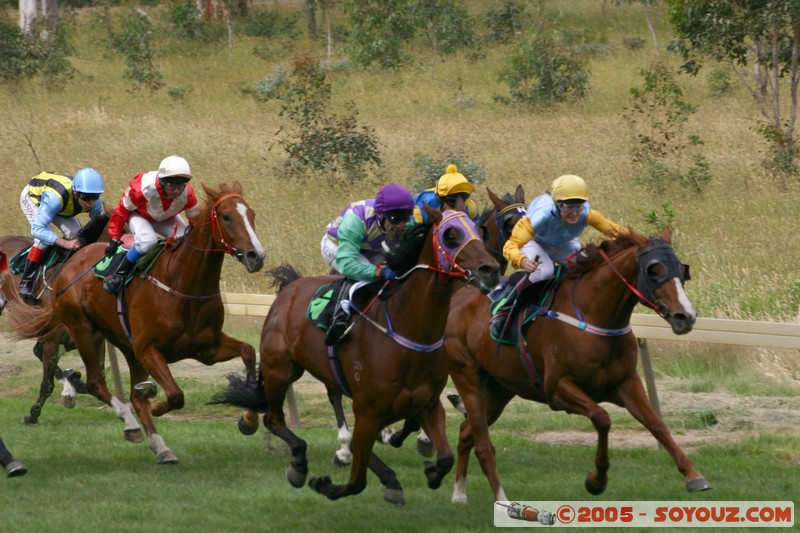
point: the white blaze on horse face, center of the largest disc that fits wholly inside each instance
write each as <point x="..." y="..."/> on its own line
<point x="242" y="210"/>
<point x="683" y="299"/>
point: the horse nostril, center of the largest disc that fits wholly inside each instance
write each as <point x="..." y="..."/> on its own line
<point x="490" y="273"/>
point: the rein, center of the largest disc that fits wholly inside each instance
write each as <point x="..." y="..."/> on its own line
<point x="633" y="289"/>
<point x="499" y="219"/>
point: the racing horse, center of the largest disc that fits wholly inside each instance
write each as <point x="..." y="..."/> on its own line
<point x="173" y="313"/>
<point x="577" y="352"/>
<point x="391" y="363"/>
<point x="495" y="223"/>
<point x="47" y="347"/>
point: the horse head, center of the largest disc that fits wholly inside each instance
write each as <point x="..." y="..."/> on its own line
<point x="232" y="225"/>
<point x="459" y="250"/>
<point x="497" y="222"/>
<point x="660" y="279"/>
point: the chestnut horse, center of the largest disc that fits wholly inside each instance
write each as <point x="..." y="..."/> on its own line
<point x="504" y="213"/>
<point x="391" y="362"/>
<point x="173" y="313"/>
<point x="46" y="348"/>
<point x="578" y="352"/>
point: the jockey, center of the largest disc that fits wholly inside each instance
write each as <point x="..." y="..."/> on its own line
<point x="357" y="242"/>
<point x="151" y="205"/>
<point x="450" y="186"/>
<point x="12" y="467"/>
<point x="551" y="226"/>
<point x="56" y="199"/>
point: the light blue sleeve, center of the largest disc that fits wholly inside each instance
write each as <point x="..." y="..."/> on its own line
<point x="97" y="209"/>
<point x="49" y="206"/>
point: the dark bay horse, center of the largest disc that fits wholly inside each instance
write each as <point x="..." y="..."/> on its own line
<point x="391" y="362"/>
<point x="174" y="313"/>
<point x="579" y="353"/>
<point x="47" y="346"/>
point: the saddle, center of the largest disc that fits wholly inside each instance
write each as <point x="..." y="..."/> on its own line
<point x="322" y="306"/>
<point x="512" y="312"/>
<point x="54" y="256"/>
<point x="107" y="266"/>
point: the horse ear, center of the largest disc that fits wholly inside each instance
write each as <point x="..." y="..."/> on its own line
<point x="433" y="214"/>
<point x="519" y="194"/>
<point x="498" y="203"/>
<point x="212" y="194"/>
<point x="666" y="234"/>
<point x="236" y="187"/>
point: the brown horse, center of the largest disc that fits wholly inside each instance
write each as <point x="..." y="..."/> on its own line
<point x="578" y="353"/>
<point x="504" y="213"/>
<point x="174" y="313"/>
<point x="47" y="347"/>
<point x="391" y="361"/>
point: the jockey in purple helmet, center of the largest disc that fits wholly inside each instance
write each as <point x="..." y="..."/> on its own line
<point x="356" y="242"/>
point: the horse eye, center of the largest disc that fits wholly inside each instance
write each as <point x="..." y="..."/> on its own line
<point x="453" y="237"/>
<point x="226" y="218"/>
<point x="656" y="271"/>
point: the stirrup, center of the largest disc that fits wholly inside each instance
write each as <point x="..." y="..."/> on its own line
<point x="113" y="283"/>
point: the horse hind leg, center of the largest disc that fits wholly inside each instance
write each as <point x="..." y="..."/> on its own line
<point x="47" y="352"/>
<point x="343" y="456"/>
<point x="297" y="471"/>
<point x="434" y="425"/>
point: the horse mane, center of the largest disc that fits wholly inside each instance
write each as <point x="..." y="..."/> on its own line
<point x="590" y="257"/>
<point x="407" y="253"/>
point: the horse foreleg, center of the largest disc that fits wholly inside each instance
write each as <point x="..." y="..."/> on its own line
<point x="275" y="422"/>
<point x="227" y="348"/>
<point x="568" y="396"/>
<point x="392" y="490"/>
<point x="365" y="432"/>
<point x="433" y="423"/>
<point x="343" y="455"/>
<point x="150" y="362"/>
<point x="634" y="399"/>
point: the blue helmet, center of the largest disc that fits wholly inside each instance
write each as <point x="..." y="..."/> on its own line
<point x="88" y="181"/>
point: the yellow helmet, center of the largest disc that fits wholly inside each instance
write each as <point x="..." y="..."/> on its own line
<point x="569" y="187"/>
<point x="452" y="183"/>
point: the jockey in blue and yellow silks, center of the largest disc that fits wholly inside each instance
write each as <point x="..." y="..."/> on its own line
<point x="56" y="199"/>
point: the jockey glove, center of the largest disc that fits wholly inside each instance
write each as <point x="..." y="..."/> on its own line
<point x="111" y="247"/>
<point x="387" y="273"/>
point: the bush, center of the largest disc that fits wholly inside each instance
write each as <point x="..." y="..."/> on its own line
<point x="429" y="168"/>
<point x="506" y="22"/>
<point x="541" y="70"/>
<point x="269" y="23"/>
<point x="26" y="56"/>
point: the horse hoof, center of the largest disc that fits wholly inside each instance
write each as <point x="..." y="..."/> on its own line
<point x="246" y="429"/>
<point x="29" y="420"/>
<point x="432" y="473"/>
<point x="594" y="488"/>
<point x="68" y="401"/>
<point x="385" y="436"/>
<point x="425" y="448"/>
<point x="296" y="478"/>
<point x="338" y="461"/>
<point x="134" y="435"/>
<point x="697" y="484"/>
<point x="394" y="496"/>
<point x="167" y="458"/>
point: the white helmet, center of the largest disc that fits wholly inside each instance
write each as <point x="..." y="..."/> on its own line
<point x="174" y="167"/>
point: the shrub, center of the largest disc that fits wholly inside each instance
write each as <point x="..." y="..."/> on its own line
<point x="505" y="22"/>
<point x="429" y="168"/>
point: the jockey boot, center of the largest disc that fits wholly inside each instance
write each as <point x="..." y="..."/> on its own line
<point x="30" y="274"/>
<point x="341" y="315"/>
<point x="115" y="282"/>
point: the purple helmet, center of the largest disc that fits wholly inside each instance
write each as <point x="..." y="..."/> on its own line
<point x="393" y="197"/>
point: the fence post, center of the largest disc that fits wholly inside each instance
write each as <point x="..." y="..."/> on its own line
<point x="649" y="378"/>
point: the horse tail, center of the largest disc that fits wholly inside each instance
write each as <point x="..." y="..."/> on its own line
<point x="244" y="393"/>
<point x="283" y="275"/>
<point x="25" y="321"/>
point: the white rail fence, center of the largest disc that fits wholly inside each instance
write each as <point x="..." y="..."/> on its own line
<point x="708" y="330"/>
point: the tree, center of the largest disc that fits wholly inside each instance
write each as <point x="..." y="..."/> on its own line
<point x="38" y="16"/>
<point x="763" y="35"/>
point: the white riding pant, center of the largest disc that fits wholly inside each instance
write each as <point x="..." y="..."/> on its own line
<point x="69" y="226"/>
<point x="548" y="255"/>
<point x="145" y="232"/>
